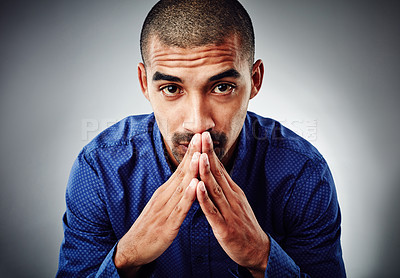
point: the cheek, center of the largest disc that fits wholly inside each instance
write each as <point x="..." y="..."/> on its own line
<point x="233" y="116"/>
<point x="237" y="121"/>
<point x="167" y="119"/>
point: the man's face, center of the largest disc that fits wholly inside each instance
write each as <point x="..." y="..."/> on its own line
<point x="193" y="90"/>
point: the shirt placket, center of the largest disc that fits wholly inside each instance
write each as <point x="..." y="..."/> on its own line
<point x="200" y="244"/>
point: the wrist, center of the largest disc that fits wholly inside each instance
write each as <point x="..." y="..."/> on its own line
<point x="258" y="270"/>
<point x="123" y="265"/>
<point x="257" y="273"/>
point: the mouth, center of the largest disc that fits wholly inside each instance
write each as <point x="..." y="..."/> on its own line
<point x="181" y="143"/>
<point x="183" y="147"/>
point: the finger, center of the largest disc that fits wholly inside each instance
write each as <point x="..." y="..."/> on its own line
<point x="189" y="171"/>
<point x="211" y="212"/>
<point x="180" y="172"/>
<point x="206" y="143"/>
<point x="217" y="168"/>
<point x="196" y="143"/>
<point x="236" y="188"/>
<point x="194" y="166"/>
<point x="194" y="146"/>
<point x="180" y="189"/>
<point x="214" y="189"/>
<point x="176" y="183"/>
<point x="182" y="207"/>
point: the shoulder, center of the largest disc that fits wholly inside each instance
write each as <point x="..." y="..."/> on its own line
<point x="281" y="139"/>
<point x="109" y="151"/>
<point x="294" y="169"/>
<point x="121" y="133"/>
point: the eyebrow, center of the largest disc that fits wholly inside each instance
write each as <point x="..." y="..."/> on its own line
<point x="229" y="73"/>
<point x="161" y="76"/>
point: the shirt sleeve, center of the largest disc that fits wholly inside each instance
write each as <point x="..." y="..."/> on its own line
<point x="89" y="242"/>
<point x="312" y="217"/>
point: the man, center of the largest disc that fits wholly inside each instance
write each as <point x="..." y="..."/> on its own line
<point x="201" y="187"/>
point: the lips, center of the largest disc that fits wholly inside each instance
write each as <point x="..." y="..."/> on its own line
<point x="186" y="144"/>
<point x="183" y="147"/>
<point x="181" y="142"/>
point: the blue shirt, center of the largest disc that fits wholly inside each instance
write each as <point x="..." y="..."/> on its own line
<point x="287" y="183"/>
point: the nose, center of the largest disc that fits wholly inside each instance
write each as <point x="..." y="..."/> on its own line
<point x="199" y="116"/>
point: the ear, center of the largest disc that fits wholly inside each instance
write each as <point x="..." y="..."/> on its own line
<point x="143" y="80"/>
<point x="257" y="76"/>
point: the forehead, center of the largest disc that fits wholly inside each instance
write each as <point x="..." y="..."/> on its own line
<point x="226" y="54"/>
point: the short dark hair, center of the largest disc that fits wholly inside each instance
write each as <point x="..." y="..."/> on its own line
<point x="193" y="23"/>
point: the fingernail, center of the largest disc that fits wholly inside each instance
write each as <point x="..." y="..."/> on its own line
<point x="206" y="161"/>
<point x="209" y="138"/>
<point x="196" y="139"/>
<point x="196" y="156"/>
<point x="202" y="186"/>
<point x="193" y="183"/>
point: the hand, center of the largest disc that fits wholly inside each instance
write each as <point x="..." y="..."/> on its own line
<point x="229" y="213"/>
<point x="158" y="224"/>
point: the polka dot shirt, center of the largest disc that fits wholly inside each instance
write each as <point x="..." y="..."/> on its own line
<point x="286" y="181"/>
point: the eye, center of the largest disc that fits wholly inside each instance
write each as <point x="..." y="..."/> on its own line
<point x="223" y="89"/>
<point x="170" y="90"/>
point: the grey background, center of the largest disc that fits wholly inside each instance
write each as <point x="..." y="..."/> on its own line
<point x="68" y="69"/>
